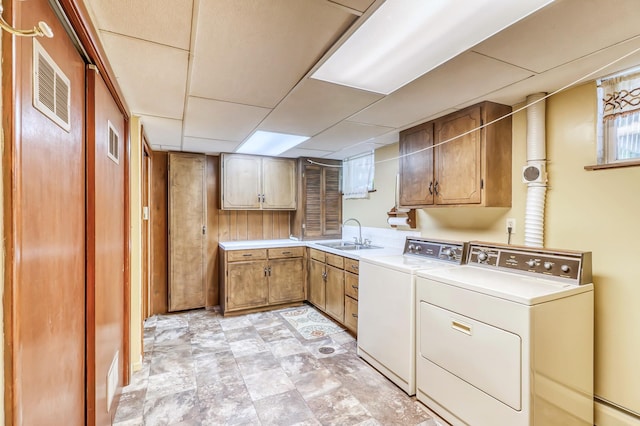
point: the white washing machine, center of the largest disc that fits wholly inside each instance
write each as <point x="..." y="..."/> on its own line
<point x="386" y="305"/>
<point x="507" y="339"/>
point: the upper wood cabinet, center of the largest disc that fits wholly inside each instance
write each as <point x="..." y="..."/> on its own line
<point x="319" y="213"/>
<point x="257" y="183"/>
<point x="456" y="162"/>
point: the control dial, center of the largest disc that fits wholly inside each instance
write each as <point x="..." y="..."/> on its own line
<point x="482" y="256"/>
<point x="531" y="263"/>
<point x="565" y="268"/>
<point x="411" y="248"/>
<point x="418" y="248"/>
<point x="547" y="265"/>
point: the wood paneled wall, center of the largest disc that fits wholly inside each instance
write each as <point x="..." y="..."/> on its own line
<point x="222" y="225"/>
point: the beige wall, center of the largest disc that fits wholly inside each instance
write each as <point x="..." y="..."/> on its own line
<point x="135" y="359"/>
<point x="593" y="211"/>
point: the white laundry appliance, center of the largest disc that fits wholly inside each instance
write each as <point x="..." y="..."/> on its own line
<point x="386" y="305"/>
<point x="507" y="339"/>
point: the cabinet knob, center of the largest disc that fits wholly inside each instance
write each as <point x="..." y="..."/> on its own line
<point x="435" y="188"/>
<point x="431" y="188"/>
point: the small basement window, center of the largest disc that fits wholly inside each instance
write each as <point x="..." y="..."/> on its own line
<point x="619" y="119"/>
<point x="113" y="144"/>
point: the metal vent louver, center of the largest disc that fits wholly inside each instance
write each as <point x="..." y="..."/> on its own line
<point x="51" y="88"/>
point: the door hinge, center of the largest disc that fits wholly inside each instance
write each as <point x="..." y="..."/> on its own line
<point x="204" y="230"/>
<point x="481" y="183"/>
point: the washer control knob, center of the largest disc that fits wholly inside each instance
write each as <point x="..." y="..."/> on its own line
<point x="547" y="265"/>
<point x="482" y="256"/>
<point x="418" y="248"/>
<point x="411" y="248"/>
<point x="565" y="268"/>
<point x="531" y="263"/>
<point x="447" y="252"/>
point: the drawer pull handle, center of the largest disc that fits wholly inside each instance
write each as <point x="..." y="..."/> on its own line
<point x="354" y="267"/>
<point x="355" y="287"/>
<point x="463" y="328"/>
<point x="286" y="252"/>
<point x="354" y="315"/>
<point x="247" y="255"/>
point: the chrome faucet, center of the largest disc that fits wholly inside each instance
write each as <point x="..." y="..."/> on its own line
<point x="359" y="237"/>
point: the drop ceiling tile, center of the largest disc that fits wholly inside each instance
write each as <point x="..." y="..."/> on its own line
<point x="162" y="131"/>
<point x="208" y="146"/>
<point x="155" y="82"/>
<point x="465" y="77"/>
<point x="315" y="105"/>
<point x="255" y="52"/>
<point x="562" y="32"/>
<point x="353" y="151"/>
<point x="605" y="62"/>
<point x="165" y="22"/>
<point x="343" y="135"/>
<point x="301" y="152"/>
<point x="210" y="119"/>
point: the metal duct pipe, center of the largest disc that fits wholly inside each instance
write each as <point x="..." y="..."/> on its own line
<point x="537" y="157"/>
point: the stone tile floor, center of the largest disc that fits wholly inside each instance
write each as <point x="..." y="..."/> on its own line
<point x="200" y="368"/>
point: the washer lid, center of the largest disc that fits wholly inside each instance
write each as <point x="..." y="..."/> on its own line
<point x="505" y="285"/>
<point x="405" y="263"/>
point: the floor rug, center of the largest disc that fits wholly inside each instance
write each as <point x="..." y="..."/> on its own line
<point x="310" y="323"/>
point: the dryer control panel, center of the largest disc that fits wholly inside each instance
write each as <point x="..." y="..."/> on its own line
<point x="573" y="266"/>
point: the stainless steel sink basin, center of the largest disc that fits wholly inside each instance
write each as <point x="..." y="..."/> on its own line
<point x="346" y="245"/>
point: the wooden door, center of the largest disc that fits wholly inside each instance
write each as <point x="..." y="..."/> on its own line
<point x="317" y="283"/>
<point x="241" y="182"/>
<point x="247" y="285"/>
<point x="146" y="231"/>
<point x="322" y="200"/>
<point x="279" y="183"/>
<point x="332" y="205"/>
<point x="286" y="280"/>
<point x="335" y="293"/>
<point x="44" y="229"/>
<point x="416" y="186"/>
<point x="458" y="161"/>
<point x="187" y="228"/>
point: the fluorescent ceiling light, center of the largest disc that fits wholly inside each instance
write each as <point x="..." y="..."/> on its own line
<point x="270" y="143"/>
<point x="404" y="39"/>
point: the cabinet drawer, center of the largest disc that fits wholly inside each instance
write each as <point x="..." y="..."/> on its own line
<point x="351" y="314"/>
<point x="335" y="260"/>
<point x="351" y="285"/>
<point x="284" y="252"/>
<point x="351" y="265"/>
<point x="318" y="255"/>
<point x="240" y="255"/>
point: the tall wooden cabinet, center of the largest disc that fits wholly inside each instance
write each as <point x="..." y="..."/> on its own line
<point x="187" y="231"/>
<point x="456" y="162"/>
<point x="319" y="213"/>
<point x="257" y="183"/>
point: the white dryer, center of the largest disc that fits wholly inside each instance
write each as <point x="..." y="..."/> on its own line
<point x="386" y="305"/>
<point x="507" y="339"/>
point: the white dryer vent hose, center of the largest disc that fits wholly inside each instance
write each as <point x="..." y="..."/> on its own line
<point x="536" y="155"/>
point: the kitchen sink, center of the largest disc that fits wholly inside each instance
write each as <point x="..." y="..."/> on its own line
<point x="346" y="245"/>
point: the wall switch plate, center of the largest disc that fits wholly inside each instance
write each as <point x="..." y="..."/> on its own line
<point x="511" y="223"/>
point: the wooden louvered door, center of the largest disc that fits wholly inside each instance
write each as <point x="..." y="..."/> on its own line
<point x="187" y="228"/>
<point x="322" y="202"/>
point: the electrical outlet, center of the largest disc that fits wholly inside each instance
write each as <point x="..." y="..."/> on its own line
<point x="511" y="223"/>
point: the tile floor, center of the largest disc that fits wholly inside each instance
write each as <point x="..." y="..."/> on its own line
<point x="200" y="368"/>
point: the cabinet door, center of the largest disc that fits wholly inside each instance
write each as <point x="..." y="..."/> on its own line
<point x="332" y="205"/>
<point x="187" y="241"/>
<point x="335" y="293"/>
<point x="286" y="280"/>
<point x="317" y="283"/>
<point x="279" y="183"/>
<point x="351" y="314"/>
<point x="247" y="285"/>
<point x="241" y="182"/>
<point x="458" y="162"/>
<point x="416" y="186"/>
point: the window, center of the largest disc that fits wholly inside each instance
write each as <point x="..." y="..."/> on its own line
<point x="357" y="176"/>
<point x="113" y="141"/>
<point x="619" y="118"/>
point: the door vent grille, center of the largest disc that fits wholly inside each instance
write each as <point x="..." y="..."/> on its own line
<point x="113" y="144"/>
<point x="51" y="88"/>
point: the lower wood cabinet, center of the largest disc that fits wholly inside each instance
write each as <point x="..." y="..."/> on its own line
<point x="333" y="286"/>
<point x="259" y="278"/>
